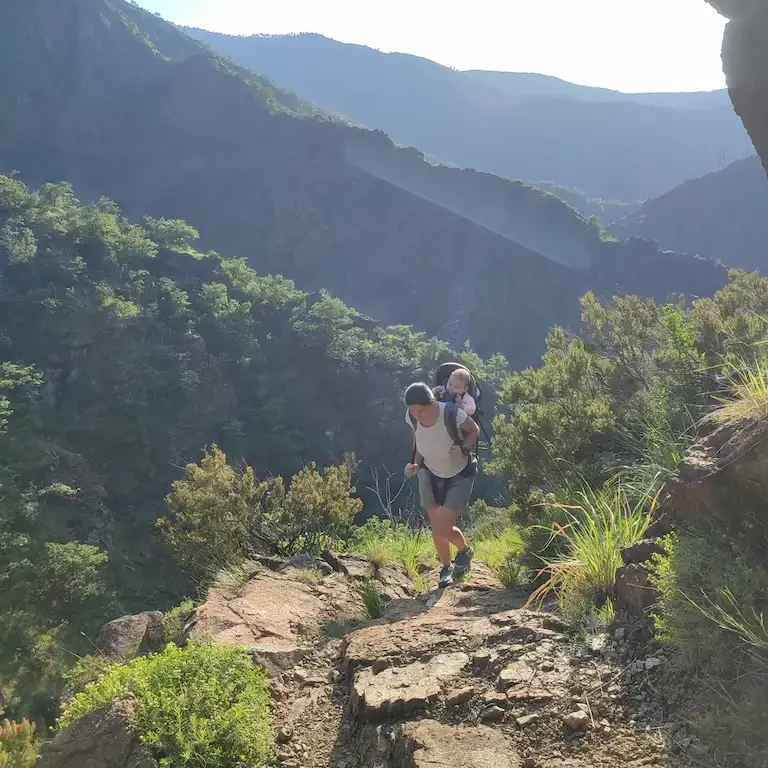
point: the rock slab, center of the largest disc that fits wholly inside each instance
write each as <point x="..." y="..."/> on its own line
<point x="429" y="744"/>
<point x="403" y="690"/>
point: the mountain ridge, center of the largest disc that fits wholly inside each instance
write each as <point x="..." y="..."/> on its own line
<point x="199" y="140"/>
<point x="611" y="149"/>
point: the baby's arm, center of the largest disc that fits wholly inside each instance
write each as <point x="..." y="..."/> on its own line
<point x="468" y="404"/>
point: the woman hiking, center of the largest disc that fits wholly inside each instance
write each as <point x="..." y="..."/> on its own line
<point x="446" y="470"/>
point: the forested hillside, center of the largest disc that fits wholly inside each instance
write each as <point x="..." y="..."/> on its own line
<point x="528" y="127"/>
<point x="124" y="352"/>
<point x="186" y="135"/>
<point x="720" y="216"/>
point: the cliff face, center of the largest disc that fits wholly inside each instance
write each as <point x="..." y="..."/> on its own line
<point x="745" y="61"/>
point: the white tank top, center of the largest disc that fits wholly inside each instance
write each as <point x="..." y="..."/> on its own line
<point x="434" y="444"/>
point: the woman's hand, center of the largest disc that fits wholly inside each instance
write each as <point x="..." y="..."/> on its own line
<point x="411" y="469"/>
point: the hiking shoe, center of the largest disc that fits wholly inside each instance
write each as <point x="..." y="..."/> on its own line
<point x="446" y="577"/>
<point x="463" y="561"/>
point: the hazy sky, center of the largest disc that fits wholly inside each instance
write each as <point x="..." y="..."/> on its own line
<point x="630" y="45"/>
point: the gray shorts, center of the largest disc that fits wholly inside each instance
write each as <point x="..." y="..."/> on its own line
<point x="457" y="494"/>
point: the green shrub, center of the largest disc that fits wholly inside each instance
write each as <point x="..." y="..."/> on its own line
<point x="204" y="706"/>
<point x="18" y="744"/>
<point x="173" y="620"/>
<point x="219" y="515"/>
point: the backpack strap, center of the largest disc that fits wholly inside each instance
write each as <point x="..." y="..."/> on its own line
<point x="450" y="416"/>
<point x="414" y="424"/>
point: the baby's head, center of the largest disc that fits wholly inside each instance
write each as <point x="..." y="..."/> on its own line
<point x="459" y="382"/>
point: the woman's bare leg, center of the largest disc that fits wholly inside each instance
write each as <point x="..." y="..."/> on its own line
<point x="445" y="532"/>
<point x="442" y="542"/>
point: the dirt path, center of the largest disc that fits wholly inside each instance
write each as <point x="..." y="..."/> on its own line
<point x="463" y="678"/>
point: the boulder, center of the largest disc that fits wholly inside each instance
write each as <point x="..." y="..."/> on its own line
<point x="131" y="636"/>
<point x="103" y="738"/>
<point x="641" y="551"/>
<point x="429" y="744"/>
<point x="634" y="590"/>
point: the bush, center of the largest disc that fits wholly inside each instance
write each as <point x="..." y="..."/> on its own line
<point x="373" y="600"/>
<point x="204" y="706"/>
<point x="219" y="515"/>
<point x="18" y="744"/>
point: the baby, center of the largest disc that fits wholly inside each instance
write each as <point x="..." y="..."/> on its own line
<point x="456" y="390"/>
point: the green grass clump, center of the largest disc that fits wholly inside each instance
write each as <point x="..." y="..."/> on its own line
<point x="174" y="619"/>
<point x="599" y="526"/>
<point x="309" y="576"/>
<point x="204" y="706"/>
<point x="384" y="543"/>
<point x="232" y="578"/>
<point x="338" y="628"/>
<point x="373" y="600"/>
<point x="749" y="397"/>
<point x="502" y="553"/>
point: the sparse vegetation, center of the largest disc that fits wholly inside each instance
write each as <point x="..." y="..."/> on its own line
<point x="749" y="392"/>
<point x="87" y="670"/>
<point x="338" y="628"/>
<point x="712" y="589"/>
<point x="383" y="542"/>
<point x="308" y="576"/>
<point x="502" y="553"/>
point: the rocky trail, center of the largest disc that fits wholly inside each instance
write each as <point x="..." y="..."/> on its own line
<point x="466" y="677"/>
<point x="461" y="678"/>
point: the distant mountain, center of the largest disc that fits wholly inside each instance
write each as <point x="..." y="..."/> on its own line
<point x="612" y="146"/>
<point x="524" y="86"/>
<point x="723" y="215"/>
<point x="119" y="103"/>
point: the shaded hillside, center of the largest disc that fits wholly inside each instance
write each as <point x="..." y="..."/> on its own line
<point x="195" y="139"/>
<point x="721" y="216"/>
<point x="613" y="149"/>
<point x="525" y="85"/>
